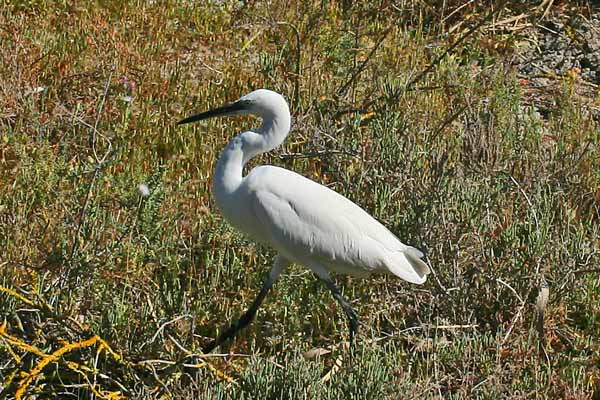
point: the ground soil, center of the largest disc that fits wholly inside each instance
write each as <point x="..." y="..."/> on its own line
<point x="558" y="48"/>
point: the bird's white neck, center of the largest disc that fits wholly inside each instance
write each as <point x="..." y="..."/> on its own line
<point x="242" y="148"/>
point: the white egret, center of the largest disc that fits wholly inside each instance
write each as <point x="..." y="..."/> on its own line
<point x="307" y="223"/>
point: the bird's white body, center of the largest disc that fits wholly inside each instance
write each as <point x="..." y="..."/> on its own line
<point x="304" y="221"/>
<point x="314" y="226"/>
<point x="307" y="223"/>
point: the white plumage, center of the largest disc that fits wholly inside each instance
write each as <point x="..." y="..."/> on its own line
<point x="307" y="223"/>
<point x="312" y="225"/>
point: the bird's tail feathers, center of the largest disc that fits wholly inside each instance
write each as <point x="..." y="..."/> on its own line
<point x="414" y="251"/>
<point x="408" y="265"/>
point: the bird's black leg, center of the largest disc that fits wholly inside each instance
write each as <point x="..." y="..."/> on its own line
<point x="243" y="321"/>
<point x="279" y="265"/>
<point x="350" y="313"/>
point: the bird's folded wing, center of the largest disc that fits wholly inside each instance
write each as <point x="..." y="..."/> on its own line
<point x="324" y="225"/>
<point x="310" y="222"/>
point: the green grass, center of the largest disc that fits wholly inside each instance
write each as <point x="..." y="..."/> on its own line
<point x="460" y="166"/>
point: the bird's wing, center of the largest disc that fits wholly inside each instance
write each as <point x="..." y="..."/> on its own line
<point x="306" y="219"/>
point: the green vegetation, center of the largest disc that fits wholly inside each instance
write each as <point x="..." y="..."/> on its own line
<point x="123" y="288"/>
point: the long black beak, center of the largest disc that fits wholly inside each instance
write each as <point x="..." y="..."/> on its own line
<point x="227" y="109"/>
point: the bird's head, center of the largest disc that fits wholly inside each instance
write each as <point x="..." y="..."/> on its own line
<point x="262" y="102"/>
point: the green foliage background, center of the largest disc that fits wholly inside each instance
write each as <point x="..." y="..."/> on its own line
<point x="460" y="165"/>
